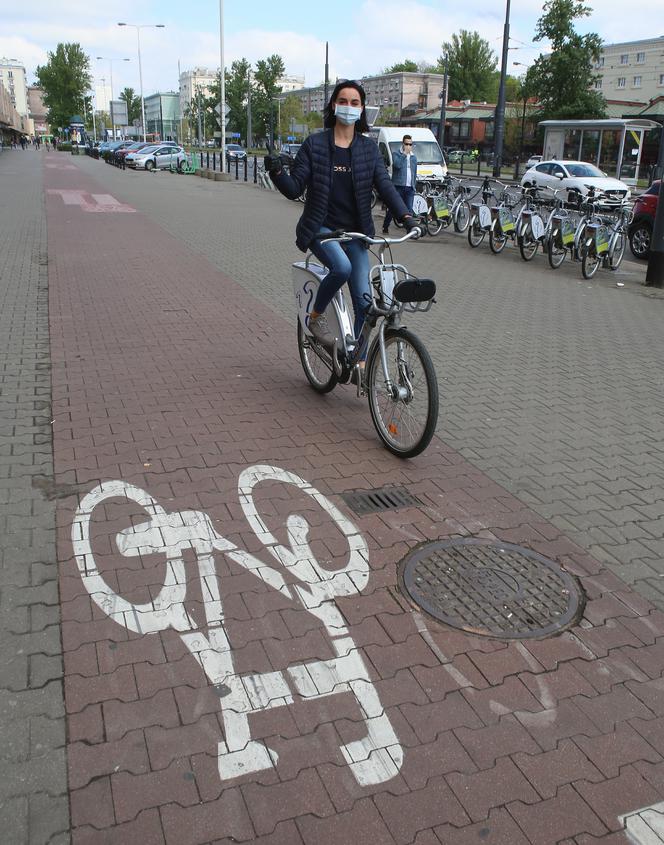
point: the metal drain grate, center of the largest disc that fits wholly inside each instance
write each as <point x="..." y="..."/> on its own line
<point x="494" y="590"/>
<point x="382" y="499"/>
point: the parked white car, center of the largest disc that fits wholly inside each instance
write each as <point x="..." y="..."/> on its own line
<point x="158" y="156"/>
<point x="533" y="160"/>
<point x="578" y="175"/>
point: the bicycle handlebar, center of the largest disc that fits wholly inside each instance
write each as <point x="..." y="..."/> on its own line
<point x="341" y="235"/>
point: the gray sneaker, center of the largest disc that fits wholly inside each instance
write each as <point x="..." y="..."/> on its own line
<point x="320" y="329"/>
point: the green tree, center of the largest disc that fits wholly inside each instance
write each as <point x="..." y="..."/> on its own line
<point x="266" y="88"/>
<point x="237" y="85"/>
<point x="563" y="80"/>
<point x="290" y="113"/>
<point x="471" y="64"/>
<point x="512" y="88"/>
<point x="406" y="66"/>
<point x="133" y="102"/>
<point x="65" y="79"/>
<point x="314" y="120"/>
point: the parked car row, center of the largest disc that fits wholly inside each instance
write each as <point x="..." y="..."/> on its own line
<point x="142" y="155"/>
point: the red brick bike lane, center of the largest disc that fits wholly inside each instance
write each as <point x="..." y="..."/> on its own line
<point x="240" y="664"/>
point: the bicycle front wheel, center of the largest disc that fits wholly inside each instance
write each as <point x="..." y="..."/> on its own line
<point x="316" y="362"/>
<point x="527" y="245"/>
<point x="462" y="216"/>
<point x="590" y="261"/>
<point x="555" y="250"/>
<point x="405" y="417"/>
<point x="617" y="251"/>
<point x="433" y="223"/>
<point x="497" y="241"/>
<point x="475" y="232"/>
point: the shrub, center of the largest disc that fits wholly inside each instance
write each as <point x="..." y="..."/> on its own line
<point x="64" y="147"/>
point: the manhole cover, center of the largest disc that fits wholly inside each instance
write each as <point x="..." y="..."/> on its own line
<point x="492" y="589"/>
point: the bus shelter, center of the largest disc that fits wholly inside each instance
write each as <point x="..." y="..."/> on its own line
<point x="615" y="145"/>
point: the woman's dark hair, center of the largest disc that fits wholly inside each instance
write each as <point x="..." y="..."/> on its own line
<point x="329" y="119"/>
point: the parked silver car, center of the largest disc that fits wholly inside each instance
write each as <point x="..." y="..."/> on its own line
<point x="158" y="157"/>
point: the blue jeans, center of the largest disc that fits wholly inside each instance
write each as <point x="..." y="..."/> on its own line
<point x="348" y="262"/>
<point x="407" y="195"/>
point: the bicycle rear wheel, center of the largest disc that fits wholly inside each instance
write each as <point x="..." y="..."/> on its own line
<point x="316" y="362"/>
<point x="405" y="423"/>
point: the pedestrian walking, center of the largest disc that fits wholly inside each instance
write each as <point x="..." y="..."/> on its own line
<point x="404" y="177"/>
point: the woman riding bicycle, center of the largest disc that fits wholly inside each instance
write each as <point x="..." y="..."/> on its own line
<point x="338" y="168"/>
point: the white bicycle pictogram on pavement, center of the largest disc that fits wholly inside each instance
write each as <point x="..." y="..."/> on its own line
<point x="375" y="758"/>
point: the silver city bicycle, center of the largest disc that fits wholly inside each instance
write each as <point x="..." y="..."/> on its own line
<point x="399" y="379"/>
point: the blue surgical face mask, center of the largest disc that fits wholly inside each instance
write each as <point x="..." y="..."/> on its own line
<point x="348" y="114"/>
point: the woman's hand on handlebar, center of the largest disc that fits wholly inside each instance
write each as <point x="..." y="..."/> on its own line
<point x="410" y="224"/>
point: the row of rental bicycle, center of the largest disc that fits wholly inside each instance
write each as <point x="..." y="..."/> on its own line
<point x="565" y="224"/>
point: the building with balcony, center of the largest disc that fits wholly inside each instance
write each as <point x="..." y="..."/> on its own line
<point x="632" y="70"/>
<point x="37" y="111"/>
<point x="395" y="93"/>
<point x="13" y="78"/>
<point x="191" y="81"/>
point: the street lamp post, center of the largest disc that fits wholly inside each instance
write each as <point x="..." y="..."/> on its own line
<point x="138" y="28"/>
<point x="524" y="93"/>
<point x="499" y="131"/>
<point x="110" y="62"/>
<point x="278" y="101"/>
<point x="222" y="89"/>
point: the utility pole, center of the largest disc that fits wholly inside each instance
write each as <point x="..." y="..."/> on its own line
<point x="655" y="273"/>
<point x="222" y="88"/>
<point x="443" y="107"/>
<point x="499" y="126"/>
<point x="327" y="75"/>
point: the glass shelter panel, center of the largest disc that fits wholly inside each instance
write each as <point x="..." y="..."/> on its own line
<point x="572" y="144"/>
<point x="631" y="155"/>
<point x="608" y="160"/>
<point x="590" y="146"/>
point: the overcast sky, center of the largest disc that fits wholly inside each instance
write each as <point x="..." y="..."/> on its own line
<point x="364" y="35"/>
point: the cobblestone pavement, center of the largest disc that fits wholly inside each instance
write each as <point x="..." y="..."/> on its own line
<point x="550" y="384"/>
<point x="239" y="662"/>
<point x="33" y="798"/>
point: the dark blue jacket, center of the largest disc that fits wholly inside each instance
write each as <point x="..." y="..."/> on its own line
<point x="312" y="170"/>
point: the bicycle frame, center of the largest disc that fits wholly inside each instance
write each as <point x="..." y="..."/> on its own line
<point x="307" y="276"/>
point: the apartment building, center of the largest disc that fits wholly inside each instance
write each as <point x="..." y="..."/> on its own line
<point x="199" y="78"/>
<point x="13" y="78"/>
<point x="632" y="70"/>
<point x="289" y="83"/>
<point x="37" y="111"/>
<point x="398" y="92"/>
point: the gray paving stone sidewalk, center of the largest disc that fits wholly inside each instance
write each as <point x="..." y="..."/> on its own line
<point x="550" y="384"/>
<point x="34" y="805"/>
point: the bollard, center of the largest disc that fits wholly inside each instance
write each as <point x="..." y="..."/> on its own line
<point x="214" y="161"/>
<point x="237" y="166"/>
<point x="201" y="155"/>
<point x="462" y="164"/>
<point x="246" y="160"/>
<point x="255" y="171"/>
<point x="207" y="159"/>
<point x="479" y="164"/>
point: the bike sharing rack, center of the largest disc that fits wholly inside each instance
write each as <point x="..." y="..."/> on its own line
<point x="373" y="759"/>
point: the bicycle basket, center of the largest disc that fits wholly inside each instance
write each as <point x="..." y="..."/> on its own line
<point x="441" y="207"/>
<point x="567" y="231"/>
<point x="506" y="219"/>
<point x="601" y="240"/>
<point x="414" y="290"/>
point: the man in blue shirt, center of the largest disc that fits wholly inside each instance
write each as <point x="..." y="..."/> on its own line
<point x="404" y="176"/>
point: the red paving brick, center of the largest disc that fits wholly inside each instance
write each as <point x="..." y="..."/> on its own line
<point x="157" y="383"/>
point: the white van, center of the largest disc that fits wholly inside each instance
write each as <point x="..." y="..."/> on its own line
<point x="430" y="160"/>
